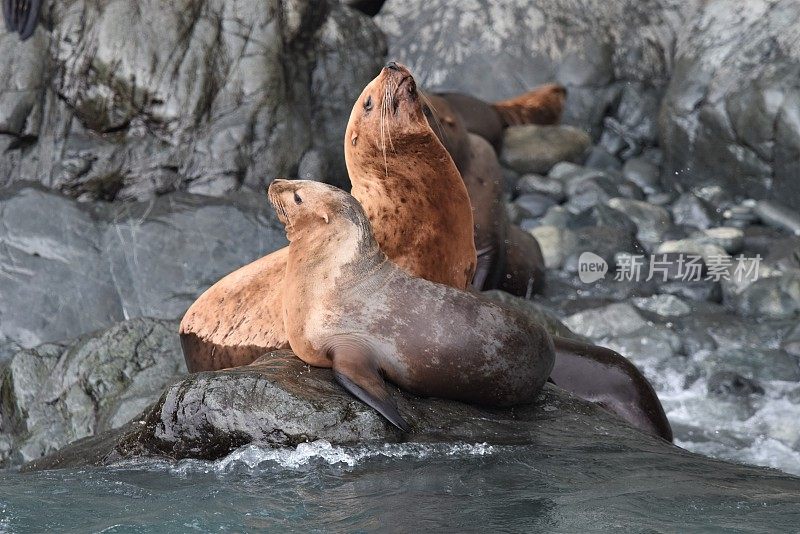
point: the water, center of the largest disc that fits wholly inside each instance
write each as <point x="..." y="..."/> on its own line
<point x="758" y="430"/>
<point x="584" y="487"/>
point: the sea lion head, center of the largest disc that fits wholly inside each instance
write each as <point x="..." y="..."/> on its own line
<point x="305" y="206"/>
<point x="388" y="112"/>
<point x="446" y="123"/>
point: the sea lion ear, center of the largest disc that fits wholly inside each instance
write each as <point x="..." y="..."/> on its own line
<point x="323" y="215"/>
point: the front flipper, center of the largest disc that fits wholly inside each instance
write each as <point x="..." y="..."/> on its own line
<point x="356" y="373"/>
<point x="22" y="16"/>
<point x="30" y="19"/>
<point x="486" y="259"/>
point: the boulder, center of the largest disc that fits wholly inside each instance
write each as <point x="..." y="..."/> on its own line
<point x="55" y="394"/>
<point x="77" y="267"/>
<point x="278" y="401"/>
<point x="537" y="149"/>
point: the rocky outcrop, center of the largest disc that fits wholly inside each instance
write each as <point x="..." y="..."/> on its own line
<point x="124" y="100"/>
<point x="279" y="402"/>
<point x="68" y="268"/>
<point x="730" y="114"/>
<point x="55" y="394"/>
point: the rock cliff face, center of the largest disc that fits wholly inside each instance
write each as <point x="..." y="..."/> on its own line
<point x="68" y="268"/>
<point x="715" y="87"/>
<point x="731" y="114"/>
<point x="124" y="100"/>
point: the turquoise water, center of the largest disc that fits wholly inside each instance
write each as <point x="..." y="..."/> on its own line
<point x="443" y="488"/>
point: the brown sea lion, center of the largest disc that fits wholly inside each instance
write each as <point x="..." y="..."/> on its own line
<point x="508" y="258"/>
<point x="347" y="306"/>
<point x="415" y="198"/>
<point x="605" y="377"/>
<point x="542" y="105"/>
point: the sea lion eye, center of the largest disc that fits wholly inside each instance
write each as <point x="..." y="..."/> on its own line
<point x="368" y="103"/>
<point x="297" y="199"/>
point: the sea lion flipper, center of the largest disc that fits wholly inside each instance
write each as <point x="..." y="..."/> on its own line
<point x="8" y="6"/>
<point x="28" y="18"/>
<point x="358" y="376"/>
<point x="486" y="258"/>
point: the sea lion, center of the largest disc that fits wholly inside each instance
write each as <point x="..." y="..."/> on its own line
<point x="508" y="258"/>
<point x="22" y="16"/>
<point x="414" y="196"/>
<point x="542" y="105"/>
<point x="608" y="379"/>
<point x="347" y="306"/>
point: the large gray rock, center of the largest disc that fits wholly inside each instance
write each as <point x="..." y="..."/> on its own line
<point x="614" y="57"/>
<point x="730" y="115"/>
<point x="533" y="148"/>
<point x="129" y="99"/>
<point x="70" y="268"/>
<point x="279" y="402"/>
<point x="55" y="394"/>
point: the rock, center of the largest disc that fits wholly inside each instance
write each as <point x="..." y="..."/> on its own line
<point x="728" y="383"/>
<point x="55" y="394"/>
<point x="647" y="345"/>
<point x="533" y="205"/>
<point x="725" y="237"/>
<point x="312" y="166"/>
<point x="602" y="215"/>
<point x="776" y="297"/>
<point x="791" y="343"/>
<point x="556" y="244"/>
<point x="111" y="102"/>
<point x="698" y="291"/>
<point x="711" y="254"/>
<point x="614" y="320"/>
<point x="533" y="148"/>
<point x="651" y="221"/>
<point x="603" y="241"/>
<point x="643" y="173"/>
<point x="663" y="305"/>
<point x="599" y="158"/>
<point x="753" y="364"/>
<point x="82" y="267"/>
<point x="587" y="191"/>
<point x="534" y="183"/>
<point x="740" y="216"/>
<point x="730" y="110"/>
<point x="661" y="199"/>
<point x="692" y="211"/>
<point x="557" y="216"/>
<point x="778" y="216"/>
<point x="564" y="171"/>
<point x="280" y="402"/>
<point x="613" y="57"/>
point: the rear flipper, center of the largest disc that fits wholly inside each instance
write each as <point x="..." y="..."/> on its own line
<point x="356" y="373"/>
<point x="22" y="16"/>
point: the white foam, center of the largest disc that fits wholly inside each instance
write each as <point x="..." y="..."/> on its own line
<point x="252" y="457"/>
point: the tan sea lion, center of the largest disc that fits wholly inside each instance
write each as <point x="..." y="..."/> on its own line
<point x="347" y="306"/>
<point x="415" y="198"/>
<point x="508" y="258"/>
